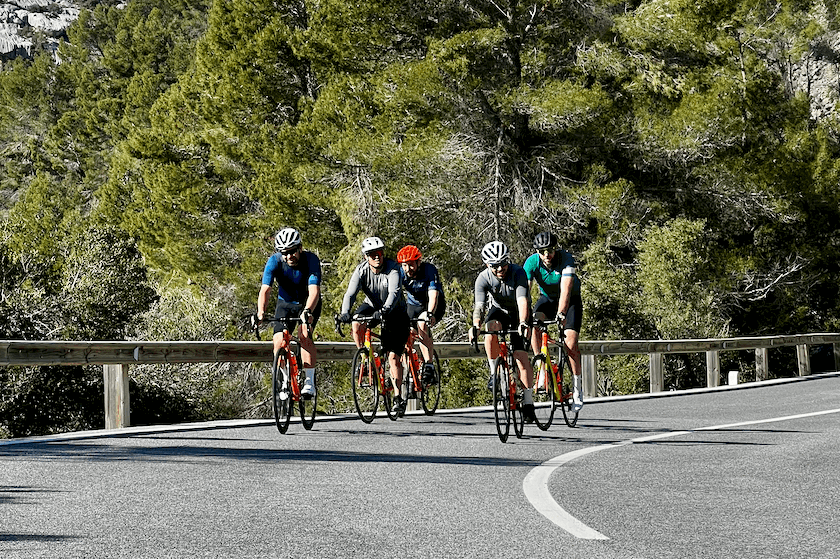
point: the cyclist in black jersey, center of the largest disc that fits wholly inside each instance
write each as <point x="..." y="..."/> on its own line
<point x="426" y="301"/>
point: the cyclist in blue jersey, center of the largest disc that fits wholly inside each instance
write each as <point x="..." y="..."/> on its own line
<point x="379" y="279"/>
<point x="555" y="272"/>
<point x="298" y="276"/>
<point x="503" y="286"/>
<point x="426" y="302"/>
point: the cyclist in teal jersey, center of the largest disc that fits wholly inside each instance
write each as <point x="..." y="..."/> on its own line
<point x="298" y="276"/>
<point x="555" y="272"/>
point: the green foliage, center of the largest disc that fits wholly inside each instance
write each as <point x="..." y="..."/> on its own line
<point x="671" y="144"/>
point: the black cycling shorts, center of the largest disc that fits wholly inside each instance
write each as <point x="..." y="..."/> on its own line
<point x="574" y="316"/>
<point x="508" y="323"/>
<point x="395" y="333"/>
<point x="285" y="310"/>
<point x="416" y="310"/>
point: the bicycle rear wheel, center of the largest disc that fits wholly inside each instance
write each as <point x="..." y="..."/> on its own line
<point x="282" y="405"/>
<point x="566" y="390"/>
<point x="501" y="400"/>
<point x="307" y="404"/>
<point x="430" y="396"/>
<point x="543" y="392"/>
<point x="365" y="385"/>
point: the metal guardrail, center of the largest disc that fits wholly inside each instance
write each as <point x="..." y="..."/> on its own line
<point x="117" y="356"/>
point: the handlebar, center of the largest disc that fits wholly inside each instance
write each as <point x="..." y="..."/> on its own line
<point x="355" y="318"/>
<point x="492" y="333"/>
<point x="255" y="322"/>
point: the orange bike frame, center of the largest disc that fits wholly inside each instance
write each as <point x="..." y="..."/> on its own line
<point x="369" y="335"/>
<point x="293" y="366"/>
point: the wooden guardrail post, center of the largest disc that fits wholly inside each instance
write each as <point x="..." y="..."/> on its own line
<point x="835" y="350"/>
<point x="762" y="367"/>
<point x="803" y="357"/>
<point x="116" y="396"/>
<point x="590" y="375"/>
<point x="712" y="369"/>
<point x="657" y="372"/>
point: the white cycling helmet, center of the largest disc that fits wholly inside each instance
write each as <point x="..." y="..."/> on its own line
<point x="371" y="244"/>
<point x="494" y="252"/>
<point x="287" y="238"/>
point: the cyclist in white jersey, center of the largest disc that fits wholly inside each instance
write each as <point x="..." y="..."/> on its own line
<point x="504" y="287"/>
<point x="379" y="279"/>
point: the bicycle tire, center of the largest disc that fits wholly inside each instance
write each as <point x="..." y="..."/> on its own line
<point x="307" y="405"/>
<point x="365" y="386"/>
<point x="566" y="388"/>
<point x="282" y="407"/>
<point x="515" y="399"/>
<point x="501" y="401"/>
<point x="544" y="398"/>
<point x="388" y="394"/>
<point x="430" y="395"/>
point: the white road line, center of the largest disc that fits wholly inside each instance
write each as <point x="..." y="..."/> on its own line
<point x="535" y="484"/>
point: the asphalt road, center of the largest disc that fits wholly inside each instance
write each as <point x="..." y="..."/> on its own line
<point x="654" y="478"/>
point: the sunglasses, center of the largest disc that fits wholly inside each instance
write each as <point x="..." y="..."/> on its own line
<point x="546" y="251"/>
<point x="290" y="251"/>
<point x="499" y="265"/>
<point x="374" y="254"/>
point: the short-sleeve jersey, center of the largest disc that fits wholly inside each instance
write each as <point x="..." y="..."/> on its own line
<point x="293" y="283"/>
<point x="501" y="293"/>
<point x="383" y="290"/>
<point x="417" y="288"/>
<point x="562" y="265"/>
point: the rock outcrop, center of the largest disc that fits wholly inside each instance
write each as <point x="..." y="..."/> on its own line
<point x="20" y="20"/>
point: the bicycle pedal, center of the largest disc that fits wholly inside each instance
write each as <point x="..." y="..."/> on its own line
<point x="284" y="395"/>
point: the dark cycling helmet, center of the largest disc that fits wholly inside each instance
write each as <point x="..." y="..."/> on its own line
<point x="494" y="252"/>
<point x="372" y="243"/>
<point x="409" y="253"/>
<point x="545" y="240"/>
<point x="287" y="238"/>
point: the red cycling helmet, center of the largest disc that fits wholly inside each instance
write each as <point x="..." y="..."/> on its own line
<point x="408" y="253"/>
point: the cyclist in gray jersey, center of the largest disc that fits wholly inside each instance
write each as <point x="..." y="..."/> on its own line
<point x="379" y="279"/>
<point x="505" y="287"/>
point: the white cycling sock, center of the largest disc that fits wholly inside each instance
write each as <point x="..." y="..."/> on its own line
<point x="527" y="396"/>
<point x="310" y="375"/>
<point x="577" y="383"/>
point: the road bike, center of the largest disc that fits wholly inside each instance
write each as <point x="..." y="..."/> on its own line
<point x="287" y="381"/>
<point x="368" y="378"/>
<point x="414" y="375"/>
<point x="553" y="382"/>
<point x="506" y="387"/>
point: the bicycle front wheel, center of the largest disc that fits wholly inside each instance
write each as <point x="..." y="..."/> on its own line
<point x="281" y="396"/>
<point x="307" y="404"/>
<point x="430" y="395"/>
<point x="515" y="398"/>
<point x="388" y="394"/>
<point x="501" y="399"/>
<point x="543" y="392"/>
<point x="566" y="389"/>
<point x="365" y="385"/>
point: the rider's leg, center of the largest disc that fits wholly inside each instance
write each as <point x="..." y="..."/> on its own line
<point x="308" y="357"/>
<point x="574" y="362"/>
<point x="358" y="331"/>
<point x="427" y="344"/>
<point x="536" y="333"/>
